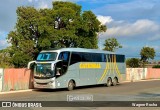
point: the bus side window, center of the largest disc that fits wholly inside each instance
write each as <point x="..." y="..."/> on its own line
<point x="75" y="58"/>
<point x="103" y="58"/>
<point x="64" y="56"/>
<point x="97" y="57"/>
<point x="86" y="57"/>
<point x="120" y="58"/>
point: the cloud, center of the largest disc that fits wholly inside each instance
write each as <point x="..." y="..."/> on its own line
<point x="8" y="8"/>
<point x="3" y="41"/>
<point x="71" y="0"/>
<point x="133" y="35"/>
<point x="135" y="23"/>
<point x="156" y="47"/>
<point x="3" y="44"/>
<point x="130" y="9"/>
<point x="30" y="0"/>
<point x="127" y="29"/>
<point x="104" y="19"/>
<point x="43" y="5"/>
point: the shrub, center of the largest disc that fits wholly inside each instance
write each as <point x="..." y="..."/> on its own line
<point x="156" y="66"/>
<point x="133" y="62"/>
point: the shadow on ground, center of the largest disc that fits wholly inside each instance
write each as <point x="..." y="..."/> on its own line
<point x="77" y="88"/>
<point x="143" y="94"/>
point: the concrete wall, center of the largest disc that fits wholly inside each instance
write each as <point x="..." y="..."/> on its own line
<point x="134" y="74"/>
<point x="153" y="73"/>
<point x="1" y="79"/>
<point x="17" y="79"/>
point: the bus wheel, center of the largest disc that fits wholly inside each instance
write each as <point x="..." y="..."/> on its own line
<point x="115" y="81"/>
<point x="71" y="85"/>
<point x="109" y="82"/>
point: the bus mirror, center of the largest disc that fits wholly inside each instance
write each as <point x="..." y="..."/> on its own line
<point x="29" y="64"/>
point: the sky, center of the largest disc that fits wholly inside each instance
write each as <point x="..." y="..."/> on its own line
<point x="135" y="23"/>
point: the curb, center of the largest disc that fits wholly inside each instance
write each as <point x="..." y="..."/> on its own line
<point x="9" y="92"/>
<point x="140" y="80"/>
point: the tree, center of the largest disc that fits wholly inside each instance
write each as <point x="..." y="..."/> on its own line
<point x="147" y="53"/>
<point x="133" y="62"/>
<point x="5" y="59"/>
<point x="111" y="44"/>
<point x="65" y="25"/>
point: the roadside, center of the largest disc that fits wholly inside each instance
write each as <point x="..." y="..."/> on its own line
<point x="28" y="90"/>
<point x="140" y="80"/>
<point x="9" y="92"/>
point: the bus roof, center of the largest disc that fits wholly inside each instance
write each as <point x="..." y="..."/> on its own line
<point x="78" y="50"/>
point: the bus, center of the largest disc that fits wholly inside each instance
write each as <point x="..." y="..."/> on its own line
<point x="73" y="67"/>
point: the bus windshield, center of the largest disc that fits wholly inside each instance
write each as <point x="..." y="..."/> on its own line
<point x="47" y="56"/>
<point x="43" y="71"/>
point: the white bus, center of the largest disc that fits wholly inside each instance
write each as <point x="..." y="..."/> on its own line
<point x="73" y="67"/>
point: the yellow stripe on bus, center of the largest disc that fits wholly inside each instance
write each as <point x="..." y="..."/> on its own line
<point x="112" y="63"/>
<point x="110" y="67"/>
<point x="105" y="71"/>
<point x="117" y="70"/>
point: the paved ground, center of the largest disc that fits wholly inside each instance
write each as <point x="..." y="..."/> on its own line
<point x="133" y="91"/>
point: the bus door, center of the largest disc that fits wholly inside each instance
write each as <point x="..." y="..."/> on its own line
<point x="62" y="66"/>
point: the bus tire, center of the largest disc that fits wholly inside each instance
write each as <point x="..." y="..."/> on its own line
<point x="71" y="85"/>
<point x="109" y="82"/>
<point x="115" y="81"/>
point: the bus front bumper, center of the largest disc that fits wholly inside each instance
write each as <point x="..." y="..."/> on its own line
<point x="44" y="84"/>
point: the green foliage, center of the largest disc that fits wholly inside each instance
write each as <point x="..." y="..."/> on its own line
<point x="111" y="44"/>
<point x="5" y="59"/>
<point x="20" y="59"/>
<point x="133" y="62"/>
<point x="65" y="25"/>
<point x="156" y="66"/>
<point x="147" y="53"/>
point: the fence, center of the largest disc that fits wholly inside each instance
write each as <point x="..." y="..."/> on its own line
<point x="153" y="73"/>
<point x="134" y="74"/>
<point x="18" y="79"/>
<point x="1" y="79"/>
